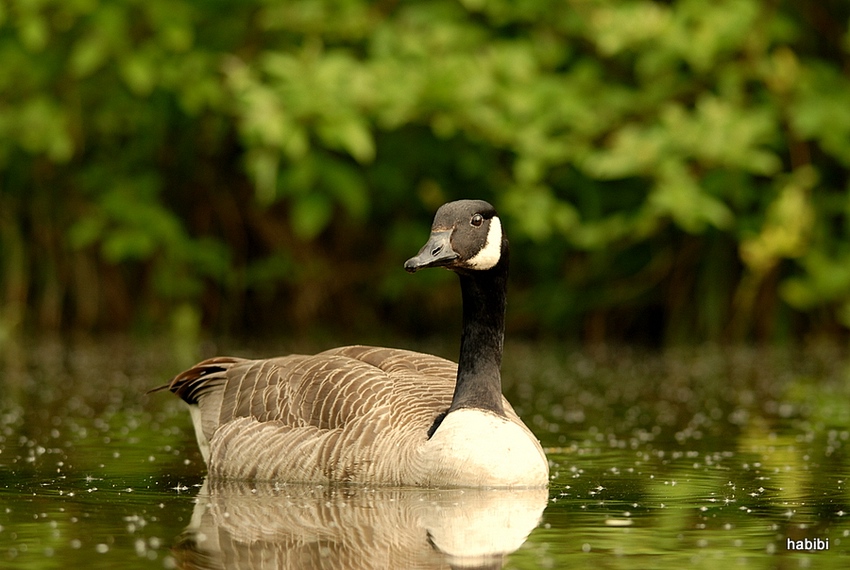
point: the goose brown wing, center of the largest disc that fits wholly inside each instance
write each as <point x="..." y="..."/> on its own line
<point x="326" y="391"/>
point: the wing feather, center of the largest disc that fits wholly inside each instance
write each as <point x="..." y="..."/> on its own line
<point x="326" y="391"/>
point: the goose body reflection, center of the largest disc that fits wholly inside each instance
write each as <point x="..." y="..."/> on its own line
<point x="380" y="416"/>
<point x="240" y="525"/>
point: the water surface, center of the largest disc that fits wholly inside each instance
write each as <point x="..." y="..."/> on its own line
<point x="694" y="457"/>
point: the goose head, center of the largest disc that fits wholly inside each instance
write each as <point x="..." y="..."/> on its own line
<point x="466" y="236"/>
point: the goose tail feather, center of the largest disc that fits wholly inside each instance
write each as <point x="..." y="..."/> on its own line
<point x="191" y="384"/>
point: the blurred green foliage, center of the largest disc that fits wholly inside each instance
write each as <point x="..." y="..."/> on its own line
<point x="668" y="170"/>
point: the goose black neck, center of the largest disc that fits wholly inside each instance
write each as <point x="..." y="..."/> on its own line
<point x="479" y="380"/>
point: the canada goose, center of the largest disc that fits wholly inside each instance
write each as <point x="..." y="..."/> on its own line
<point x="380" y="416"/>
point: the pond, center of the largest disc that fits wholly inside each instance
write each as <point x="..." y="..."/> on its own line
<point x="691" y="457"/>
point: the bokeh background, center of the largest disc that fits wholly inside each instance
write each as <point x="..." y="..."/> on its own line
<point x="668" y="172"/>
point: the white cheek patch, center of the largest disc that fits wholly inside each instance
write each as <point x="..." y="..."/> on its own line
<point x="490" y="254"/>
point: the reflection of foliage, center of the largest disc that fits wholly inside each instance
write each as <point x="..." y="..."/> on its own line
<point x="679" y="161"/>
<point x="688" y="458"/>
<point x="626" y="398"/>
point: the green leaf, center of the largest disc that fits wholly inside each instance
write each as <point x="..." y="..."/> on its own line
<point x="89" y="55"/>
<point x="33" y="31"/>
<point x="86" y="231"/>
<point x="128" y="244"/>
<point x="351" y="135"/>
<point x="678" y="194"/>
<point x="310" y="215"/>
<point x="346" y="184"/>
<point x="139" y="73"/>
<point x="263" y="166"/>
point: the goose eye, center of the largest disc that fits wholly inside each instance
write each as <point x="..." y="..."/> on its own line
<point x="477" y="220"/>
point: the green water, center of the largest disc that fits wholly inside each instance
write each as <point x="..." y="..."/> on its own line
<point x="695" y="457"/>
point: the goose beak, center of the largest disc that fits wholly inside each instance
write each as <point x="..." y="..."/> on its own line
<point x="437" y="252"/>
